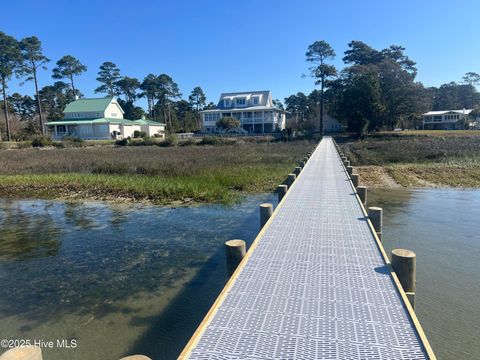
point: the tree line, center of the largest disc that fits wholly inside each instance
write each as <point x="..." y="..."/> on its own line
<point x="376" y="90"/>
<point x="24" y="59"/>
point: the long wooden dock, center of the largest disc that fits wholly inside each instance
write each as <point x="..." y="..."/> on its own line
<point x="315" y="284"/>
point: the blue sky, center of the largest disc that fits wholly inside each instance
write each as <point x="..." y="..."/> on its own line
<point x="227" y="46"/>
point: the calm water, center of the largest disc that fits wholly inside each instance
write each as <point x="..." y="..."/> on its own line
<point x="443" y="228"/>
<point x="119" y="279"/>
<point x="138" y="279"/>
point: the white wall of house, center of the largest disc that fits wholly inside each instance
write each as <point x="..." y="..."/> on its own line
<point x="152" y="130"/>
<point x="114" y="110"/>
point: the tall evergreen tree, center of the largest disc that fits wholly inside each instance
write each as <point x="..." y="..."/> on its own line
<point x="197" y="99"/>
<point x="167" y="92"/>
<point x="149" y="86"/>
<point x="108" y="75"/>
<point x="318" y="53"/>
<point x="129" y="87"/>
<point x="33" y="60"/>
<point x="10" y="59"/>
<point x="67" y="68"/>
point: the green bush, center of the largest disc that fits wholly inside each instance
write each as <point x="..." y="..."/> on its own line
<point x="123" y="142"/>
<point x="41" y="141"/>
<point x="170" y="140"/>
<point x="139" y="134"/>
<point x="209" y="140"/>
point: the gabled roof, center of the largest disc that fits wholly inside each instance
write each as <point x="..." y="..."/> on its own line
<point x="444" y="112"/>
<point x="264" y="98"/>
<point x="89" y="105"/>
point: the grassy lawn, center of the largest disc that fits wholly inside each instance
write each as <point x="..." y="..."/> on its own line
<point x="417" y="158"/>
<point x="160" y="175"/>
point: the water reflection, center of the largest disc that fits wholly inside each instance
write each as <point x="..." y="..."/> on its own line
<point x="119" y="276"/>
<point x="442" y="227"/>
<point x="24" y="236"/>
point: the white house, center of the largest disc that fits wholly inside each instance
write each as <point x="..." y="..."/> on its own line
<point x="100" y="119"/>
<point x="254" y="110"/>
<point x="330" y="124"/>
<point x="445" y="120"/>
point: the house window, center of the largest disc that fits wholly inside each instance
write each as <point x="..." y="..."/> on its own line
<point x="61" y="129"/>
<point x="226" y="103"/>
<point x="255" y="100"/>
<point x="240" y="101"/>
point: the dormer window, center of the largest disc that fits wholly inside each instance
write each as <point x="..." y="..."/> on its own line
<point x="241" y="101"/>
<point x="255" y="100"/>
<point x="227" y="103"/>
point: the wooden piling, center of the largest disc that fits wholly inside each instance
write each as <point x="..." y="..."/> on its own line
<point x="282" y="191"/>
<point x="297" y="170"/>
<point x="302" y="164"/>
<point x="266" y="210"/>
<point x="346" y="163"/>
<point x="355" y="179"/>
<point x="235" y="250"/>
<point x="404" y="263"/>
<point x="375" y="214"/>
<point x="362" y="194"/>
<point x="350" y="170"/>
<point x="23" y="353"/>
<point x="291" y="179"/>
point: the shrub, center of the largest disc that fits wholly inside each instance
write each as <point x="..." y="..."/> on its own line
<point x="41" y="141"/>
<point x="209" y="140"/>
<point x="139" y="134"/>
<point x="123" y="142"/>
<point x="170" y="140"/>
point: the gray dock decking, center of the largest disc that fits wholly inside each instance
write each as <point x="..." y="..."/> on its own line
<point x="315" y="286"/>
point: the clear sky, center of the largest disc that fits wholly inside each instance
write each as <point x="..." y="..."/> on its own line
<point x="226" y="46"/>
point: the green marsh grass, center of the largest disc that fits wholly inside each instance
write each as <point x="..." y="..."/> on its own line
<point x="160" y="175"/>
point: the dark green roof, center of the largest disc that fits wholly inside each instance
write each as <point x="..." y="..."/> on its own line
<point x="88" y="105"/>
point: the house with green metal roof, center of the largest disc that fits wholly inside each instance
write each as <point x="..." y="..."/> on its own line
<point x="100" y="119"/>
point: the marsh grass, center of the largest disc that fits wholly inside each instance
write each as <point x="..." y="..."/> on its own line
<point x="420" y="159"/>
<point x="159" y="175"/>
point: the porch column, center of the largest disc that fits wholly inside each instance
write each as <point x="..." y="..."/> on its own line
<point x="263" y="122"/>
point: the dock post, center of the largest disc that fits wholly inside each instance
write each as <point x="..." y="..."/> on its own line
<point x="235" y="250"/>
<point x="297" y="170"/>
<point x="23" y="353"/>
<point x="350" y="170"/>
<point x="346" y="163"/>
<point x="375" y="214"/>
<point x="302" y="164"/>
<point x="136" y="357"/>
<point x="404" y="263"/>
<point x="355" y="180"/>
<point x="282" y="191"/>
<point x="266" y="210"/>
<point x="291" y="179"/>
<point x="362" y="194"/>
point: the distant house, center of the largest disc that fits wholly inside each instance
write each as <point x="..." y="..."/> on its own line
<point x="254" y="110"/>
<point x="445" y="120"/>
<point x="330" y="124"/>
<point x="100" y="119"/>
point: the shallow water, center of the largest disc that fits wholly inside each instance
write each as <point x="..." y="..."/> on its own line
<point x="118" y="279"/>
<point x="443" y="228"/>
<point x="123" y="279"/>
